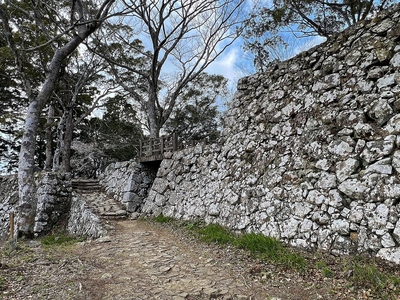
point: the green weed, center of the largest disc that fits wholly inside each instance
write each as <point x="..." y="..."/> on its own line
<point x="258" y="243"/>
<point x="325" y="271"/>
<point x="192" y="226"/>
<point x="52" y="240"/>
<point x="2" y="284"/>
<point x="163" y="219"/>
<point x="216" y="234"/>
<point x="269" y="248"/>
<point x="368" y="275"/>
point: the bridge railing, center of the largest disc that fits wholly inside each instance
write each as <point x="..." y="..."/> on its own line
<point x="153" y="149"/>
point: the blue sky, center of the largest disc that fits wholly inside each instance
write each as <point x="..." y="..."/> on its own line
<point x="228" y="64"/>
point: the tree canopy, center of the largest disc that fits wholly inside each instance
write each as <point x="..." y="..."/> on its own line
<point x="196" y="118"/>
<point x="178" y="41"/>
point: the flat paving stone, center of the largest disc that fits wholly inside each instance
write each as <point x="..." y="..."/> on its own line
<point x="160" y="267"/>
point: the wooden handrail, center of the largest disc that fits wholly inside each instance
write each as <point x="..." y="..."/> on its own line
<point x="154" y="149"/>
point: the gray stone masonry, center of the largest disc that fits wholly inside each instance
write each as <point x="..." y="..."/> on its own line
<point x="309" y="151"/>
<point x="8" y="201"/>
<point x="90" y="213"/>
<point x="53" y="194"/>
<point x="128" y="182"/>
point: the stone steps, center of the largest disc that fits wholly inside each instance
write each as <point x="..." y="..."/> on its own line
<point x="103" y="205"/>
<point x="100" y="203"/>
<point x="86" y="185"/>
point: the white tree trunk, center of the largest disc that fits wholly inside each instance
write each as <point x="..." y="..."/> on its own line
<point x="49" y="138"/>
<point x="27" y="202"/>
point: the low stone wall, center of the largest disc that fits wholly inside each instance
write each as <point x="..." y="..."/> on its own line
<point x="128" y="182"/>
<point x="53" y="196"/>
<point x="309" y="150"/>
<point x="82" y="222"/>
<point x="8" y="202"/>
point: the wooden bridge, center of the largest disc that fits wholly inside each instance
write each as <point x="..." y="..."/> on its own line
<point x="154" y="149"/>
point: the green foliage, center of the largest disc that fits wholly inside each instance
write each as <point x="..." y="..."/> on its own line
<point x="196" y="116"/>
<point x="163" y="219"/>
<point x="52" y="240"/>
<point x="11" y="103"/>
<point x="116" y="133"/>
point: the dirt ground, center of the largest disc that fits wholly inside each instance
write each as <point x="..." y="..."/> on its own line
<point x="146" y="260"/>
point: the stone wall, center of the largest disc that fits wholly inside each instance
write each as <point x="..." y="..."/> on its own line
<point x="53" y="196"/>
<point x="53" y="201"/>
<point x="8" y="201"/>
<point x="82" y="222"/>
<point x="128" y="182"/>
<point x="309" y="152"/>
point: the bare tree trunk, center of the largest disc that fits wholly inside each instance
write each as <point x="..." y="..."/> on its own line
<point x="60" y="144"/>
<point x="27" y="204"/>
<point x="66" y="153"/>
<point x="49" y="138"/>
<point x="152" y="117"/>
<point x="26" y="209"/>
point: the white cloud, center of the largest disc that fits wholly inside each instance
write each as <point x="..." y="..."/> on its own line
<point x="225" y="65"/>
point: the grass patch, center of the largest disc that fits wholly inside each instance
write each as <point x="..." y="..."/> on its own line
<point x="260" y="246"/>
<point x="2" y="284"/>
<point x="368" y="275"/>
<point x="268" y="248"/>
<point x="258" y="243"/>
<point x="216" y="234"/>
<point x="325" y="271"/>
<point x="52" y="240"/>
<point x="163" y="219"/>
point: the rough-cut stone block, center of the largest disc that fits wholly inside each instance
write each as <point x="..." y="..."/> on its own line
<point x="393" y="126"/>
<point x="312" y="153"/>
<point x="353" y="188"/>
<point x="390" y="254"/>
<point x="346" y="168"/>
<point x="395" y="61"/>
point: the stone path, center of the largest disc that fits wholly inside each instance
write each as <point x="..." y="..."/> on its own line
<point x="142" y="260"/>
<point x="145" y="261"/>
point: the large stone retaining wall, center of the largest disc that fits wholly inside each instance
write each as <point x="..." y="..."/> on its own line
<point x="310" y="150"/>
